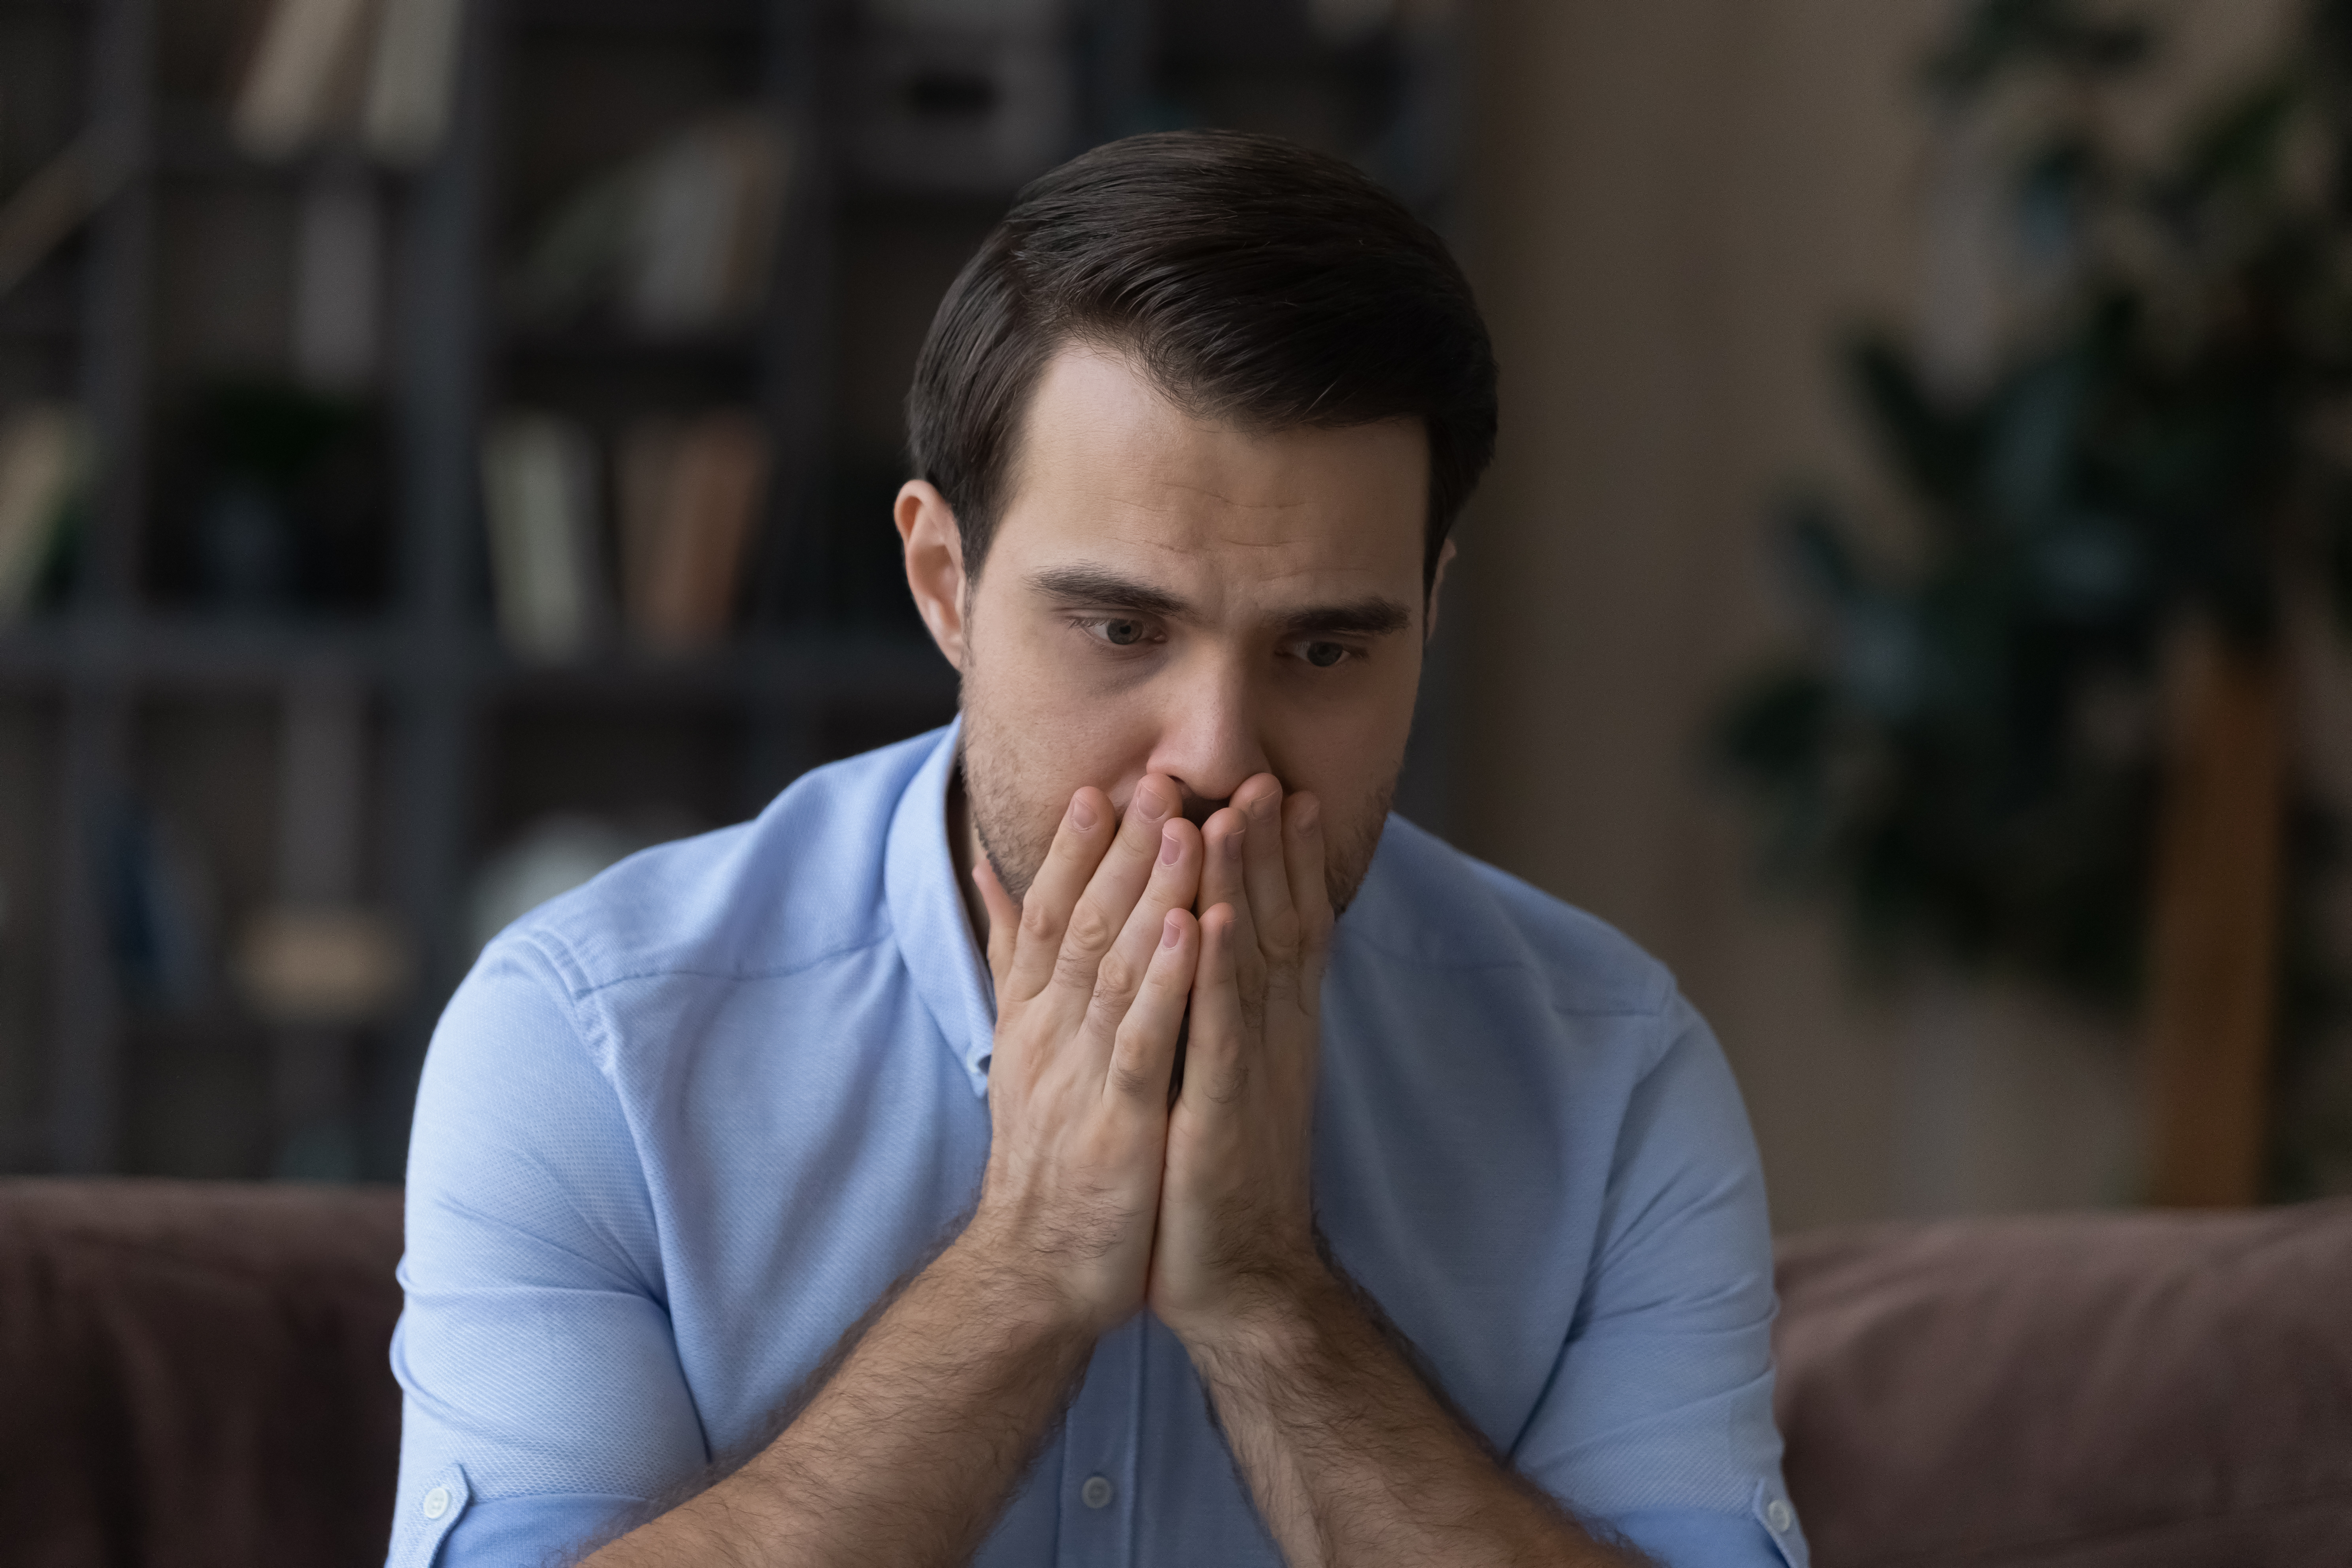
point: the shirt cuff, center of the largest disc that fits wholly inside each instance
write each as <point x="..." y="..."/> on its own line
<point x="515" y="1532"/>
<point x="422" y="1520"/>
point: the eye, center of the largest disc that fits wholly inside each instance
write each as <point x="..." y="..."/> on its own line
<point x="1323" y="655"/>
<point x="1117" y="631"/>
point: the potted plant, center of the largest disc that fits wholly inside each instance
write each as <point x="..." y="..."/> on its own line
<point x="2053" y="737"/>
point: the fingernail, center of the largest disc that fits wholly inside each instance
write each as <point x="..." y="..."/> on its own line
<point x="1307" y="816"/>
<point x="1233" y="843"/>
<point x="1148" y="800"/>
<point x="1082" y="814"/>
<point x="1171" y="931"/>
<point x="1172" y="845"/>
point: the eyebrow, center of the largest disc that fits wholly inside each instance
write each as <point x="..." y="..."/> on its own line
<point x="1096" y="588"/>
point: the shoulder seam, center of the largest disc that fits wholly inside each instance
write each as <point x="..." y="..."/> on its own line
<point x="590" y="1034"/>
<point x="582" y="986"/>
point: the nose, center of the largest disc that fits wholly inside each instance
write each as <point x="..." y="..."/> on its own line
<point x="1209" y="739"/>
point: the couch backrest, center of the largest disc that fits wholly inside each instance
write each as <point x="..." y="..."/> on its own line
<point x="2082" y="1391"/>
<point x="196" y="1373"/>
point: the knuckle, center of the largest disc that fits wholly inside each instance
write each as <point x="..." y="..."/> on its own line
<point x="1281" y="931"/>
<point x="1226" y="1082"/>
<point x="1090" y="931"/>
<point x="1132" y="1082"/>
<point x="1037" y="922"/>
<point x="1115" y="978"/>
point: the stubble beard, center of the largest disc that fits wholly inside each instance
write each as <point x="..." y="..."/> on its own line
<point x="1016" y="830"/>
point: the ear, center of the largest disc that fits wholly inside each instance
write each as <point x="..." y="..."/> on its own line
<point x="1437" y="586"/>
<point x="935" y="575"/>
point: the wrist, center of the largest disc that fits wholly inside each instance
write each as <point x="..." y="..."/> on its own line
<point x="1273" y="1320"/>
<point x="1019" y="1284"/>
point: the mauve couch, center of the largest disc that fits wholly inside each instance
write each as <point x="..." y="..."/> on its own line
<point x="194" y="1373"/>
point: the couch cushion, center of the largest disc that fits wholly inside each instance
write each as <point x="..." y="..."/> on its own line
<point x="2142" y="1389"/>
<point x="196" y="1373"/>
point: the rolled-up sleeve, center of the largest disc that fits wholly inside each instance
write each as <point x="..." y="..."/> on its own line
<point x="1657" y="1420"/>
<point x="543" y="1393"/>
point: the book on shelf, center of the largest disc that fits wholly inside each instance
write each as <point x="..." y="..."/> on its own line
<point x="412" y="78"/>
<point x="54" y="200"/>
<point x="539" y="487"/>
<point x="319" y="954"/>
<point x="303" y="78"/>
<point x="705" y="225"/>
<point x="690" y="492"/>
<point x="384" y="71"/>
<point x="680" y="239"/>
<point x="338" y="281"/>
<point x="328" y="965"/>
<point x="44" y="461"/>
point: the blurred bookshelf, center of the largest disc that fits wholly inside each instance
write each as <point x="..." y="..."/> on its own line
<point x="369" y="585"/>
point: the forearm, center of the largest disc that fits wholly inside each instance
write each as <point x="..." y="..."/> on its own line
<point x="908" y="1452"/>
<point x="1353" y="1459"/>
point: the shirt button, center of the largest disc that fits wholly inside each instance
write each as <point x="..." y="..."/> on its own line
<point x="1098" y="1492"/>
<point x="1780" y="1516"/>
<point x="437" y="1502"/>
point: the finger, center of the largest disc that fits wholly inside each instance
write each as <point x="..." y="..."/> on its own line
<point x="1175" y="878"/>
<point x="1214" y="1066"/>
<point x="1102" y="910"/>
<point x="1308" y="854"/>
<point x="1273" y="920"/>
<point x="1224" y="841"/>
<point x="1003" y="919"/>
<point x="1144" y="1056"/>
<point x="1079" y="844"/>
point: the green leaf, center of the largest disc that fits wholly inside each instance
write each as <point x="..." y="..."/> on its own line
<point x="1997" y="37"/>
<point x="2034" y="425"/>
<point x="1820" y="561"/>
<point x="1936" y="448"/>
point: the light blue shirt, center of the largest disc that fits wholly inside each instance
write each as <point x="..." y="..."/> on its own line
<point x="680" y="1127"/>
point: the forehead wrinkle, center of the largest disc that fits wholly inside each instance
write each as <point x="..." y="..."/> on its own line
<point x="1237" y="502"/>
<point x="1167" y="504"/>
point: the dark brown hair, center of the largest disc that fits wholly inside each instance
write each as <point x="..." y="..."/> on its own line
<point x="1251" y="279"/>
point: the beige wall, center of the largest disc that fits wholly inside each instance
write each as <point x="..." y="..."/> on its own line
<point x="1676" y="205"/>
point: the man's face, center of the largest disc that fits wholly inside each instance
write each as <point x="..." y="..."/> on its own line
<point x="1171" y="596"/>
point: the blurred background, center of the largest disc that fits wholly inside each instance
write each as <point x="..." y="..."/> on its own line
<point x="446" y="444"/>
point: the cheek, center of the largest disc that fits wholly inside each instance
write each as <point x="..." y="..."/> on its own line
<point x="1354" y="729"/>
<point x="1349" y="751"/>
<point x="1053" y="725"/>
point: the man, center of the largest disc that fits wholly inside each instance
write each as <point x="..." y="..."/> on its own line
<point x="755" y="1218"/>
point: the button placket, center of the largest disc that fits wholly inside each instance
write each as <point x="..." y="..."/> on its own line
<point x="1097" y="1444"/>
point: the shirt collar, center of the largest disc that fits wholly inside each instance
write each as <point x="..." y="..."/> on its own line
<point x="935" y="936"/>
